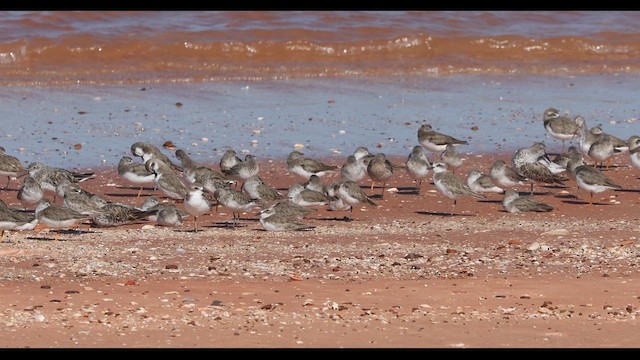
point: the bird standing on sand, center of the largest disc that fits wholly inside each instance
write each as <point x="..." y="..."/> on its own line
<point x="166" y="179"/>
<point x="351" y="193"/>
<point x="147" y="151"/>
<point x="591" y="179"/>
<point x="451" y="157"/>
<point x="245" y="169"/>
<point x="560" y="127"/>
<point x="56" y="216"/>
<point x="30" y="193"/>
<point x="435" y="141"/>
<point x="418" y="166"/>
<point x="505" y="176"/>
<point x="482" y="183"/>
<point x="514" y="203"/>
<point x="10" y="166"/>
<point x="272" y="220"/>
<point x="135" y="173"/>
<point x="198" y="202"/>
<point x="380" y="170"/>
<point x="236" y="201"/>
<point x="228" y="160"/>
<point x="50" y="178"/>
<point x="115" y="214"/>
<point x="451" y="186"/>
<point x="352" y="169"/>
<point x="634" y="150"/>
<point x="195" y="172"/>
<point x="303" y="166"/>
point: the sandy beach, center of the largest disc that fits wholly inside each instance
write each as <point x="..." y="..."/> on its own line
<point x="406" y="274"/>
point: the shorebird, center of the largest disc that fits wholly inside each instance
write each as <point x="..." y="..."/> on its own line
<point x="606" y="147"/>
<point x="435" y="141"/>
<point x="305" y="197"/>
<point x="315" y="183"/>
<point x="587" y="136"/>
<point x="50" y="177"/>
<point x="418" y="166"/>
<point x="195" y="172"/>
<point x="271" y="220"/>
<point x="163" y="214"/>
<point x="82" y="201"/>
<point x="198" y="202"/>
<point x="363" y="156"/>
<point x="560" y="127"/>
<point x="514" y="203"/>
<point x="257" y="189"/>
<point x="591" y="179"/>
<point x="451" y="186"/>
<point x="482" y="183"/>
<point x="505" y="176"/>
<point x="291" y="209"/>
<point x="244" y="169"/>
<point x="451" y="157"/>
<point x="58" y="217"/>
<point x="351" y="193"/>
<point x="228" y="160"/>
<point x="147" y="151"/>
<point x="303" y="166"/>
<point x="380" y="170"/>
<point x="532" y="163"/>
<point x="135" y="173"/>
<point x="562" y="159"/>
<point x="166" y="179"/>
<point x="30" y="193"/>
<point x="10" y="167"/>
<point x="115" y="214"/>
<point x="236" y="201"/>
<point x="11" y="219"/>
<point x="353" y="169"/>
<point x="634" y="150"/>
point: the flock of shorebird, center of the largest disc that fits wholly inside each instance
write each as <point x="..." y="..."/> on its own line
<point x="195" y="189"/>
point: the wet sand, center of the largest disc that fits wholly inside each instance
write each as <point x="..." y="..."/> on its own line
<point x="406" y="274"/>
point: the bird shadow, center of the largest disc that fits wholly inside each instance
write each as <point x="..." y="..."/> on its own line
<point x="491" y="201"/>
<point x="566" y="196"/>
<point x="628" y="190"/>
<point x="437" y="213"/>
<point x="120" y="195"/>
<point x="583" y="202"/>
<point x="225" y="225"/>
<point x="344" y="218"/>
<point x="73" y="231"/>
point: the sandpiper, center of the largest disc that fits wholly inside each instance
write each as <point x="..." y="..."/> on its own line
<point x="271" y="220"/>
<point x="116" y="214"/>
<point x="380" y="170"/>
<point x="198" y="202"/>
<point x="451" y="157"/>
<point x="514" y="203"/>
<point x="303" y="166"/>
<point x="245" y="169"/>
<point x="82" y="201"/>
<point x="527" y="162"/>
<point x="166" y="179"/>
<point x="236" y="201"/>
<point x="11" y="219"/>
<point x="353" y="169"/>
<point x="560" y="127"/>
<point x="50" y="177"/>
<point x="482" y="183"/>
<point x="451" y="186"/>
<point x="305" y="197"/>
<point x="505" y="176"/>
<point x="315" y="183"/>
<point x="10" y="166"/>
<point x="606" y="147"/>
<point x="164" y="214"/>
<point x="30" y="193"/>
<point x="291" y="209"/>
<point x="351" y="193"/>
<point x="562" y="159"/>
<point x="228" y="160"/>
<point x="591" y="179"/>
<point x="257" y="189"/>
<point x="195" y="172"/>
<point x="147" y="151"/>
<point x="435" y="141"/>
<point x="56" y="216"/>
<point x="587" y="136"/>
<point x="418" y="166"/>
<point x="634" y="150"/>
<point x="135" y="173"/>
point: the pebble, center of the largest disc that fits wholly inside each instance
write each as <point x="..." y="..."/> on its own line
<point x="298" y="146"/>
<point x="557" y="232"/>
<point x="533" y="247"/>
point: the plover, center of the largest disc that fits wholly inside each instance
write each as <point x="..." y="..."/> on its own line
<point x="514" y="203"/>
<point x="228" y="160"/>
<point x="591" y="179"/>
<point x="587" y="136"/>
<point x="451" y="157"/>
<point x="236" y="201"/>
<point x="505" y="176"/>
<point x="147" y="151"/>
<point x="116" y="214"/>
<point x="12" y="219"/>
<point x="50" y="178"/>
<point x="166" y="179"/>
<point x="315" y="183"/>
<point x="527" y="163"/>
<point x="634" y="150"/>
<point x="10" y="166"/>
<point x="606" y="147"/>
<point x="353" y="169"/>
<point x="245" y="169"/>
<point x="560" y="127"/>
<point x="198" y="202"/>
<point x="363" y="156"/>
<point x="435" y="141"/>
<point x="303" y="166"/>
<point x="290" y="209"/>
<point x="135" y="173"/>
<point x="482" y="183"/>
<point x="562" y="159"/>
<point x="30" y="193"/>
<point x="80" y="200"/>
<point x="418" y="166"/>
<point x="271" y="220"/>
<point x="450" y="185"/>
<point x="380" y="170"/>
<point x="163" y="214"/>
<point x="351" y="193"/>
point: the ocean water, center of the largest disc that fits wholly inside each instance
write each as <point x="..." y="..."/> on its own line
<point x="78" y="88"/>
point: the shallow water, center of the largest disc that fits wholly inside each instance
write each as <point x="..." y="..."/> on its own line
<point x="78" y="88"/>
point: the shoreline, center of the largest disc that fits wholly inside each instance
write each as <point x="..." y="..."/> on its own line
<point x="394" y="277"/>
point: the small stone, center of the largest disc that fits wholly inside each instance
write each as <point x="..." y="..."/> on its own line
<point x="171" y="267"/>
<point x="533" y="247"/>
<point x="298" y="146"/>
<point x="557" y="232"/>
